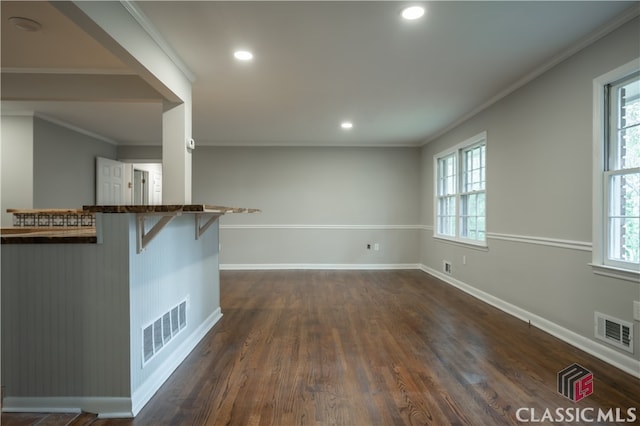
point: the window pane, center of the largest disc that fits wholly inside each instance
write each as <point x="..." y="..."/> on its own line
<point x="629" y="148"/>
<point x="472" y="206"/>
<point x="623" y="245"/>
<point x="472" y="217"/>
<point x="624" y="143"/>
<point x="447" y="175"/>
<point x="446" y="215"/>
<point x="629" y="104"/>
<point x="473" y="169"/>
<point x="624" y="217"/>
<point x="625" y="195"/>
<point x="481" y="205"/>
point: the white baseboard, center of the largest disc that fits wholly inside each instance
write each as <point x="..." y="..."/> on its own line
<point x="145" y="392"/>
<point x="336" y="266"/>
<point x="592" y="347"/>
<point x="114" y="407"/>
<point x="107" y="407"/>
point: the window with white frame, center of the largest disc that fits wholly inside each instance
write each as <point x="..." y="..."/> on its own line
<point x="460" y="192"/>
<point x="622" y="173"/>
<point x="617" y="170"/>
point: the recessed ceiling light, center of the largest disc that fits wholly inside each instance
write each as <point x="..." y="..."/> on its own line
<point x="243" y="55"/>
<point x="346" y="125"/>
<point x="25" y="24"/>
<point x="413" y="12"/>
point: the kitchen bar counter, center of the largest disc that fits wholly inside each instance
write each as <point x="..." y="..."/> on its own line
<point x="77" y="226"/>
<point x="50" y="226"/>
<point x="105" y="323"/>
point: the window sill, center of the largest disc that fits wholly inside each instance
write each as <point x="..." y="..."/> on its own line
<point x="613" y="272"/>
<point x="482" y="246"/>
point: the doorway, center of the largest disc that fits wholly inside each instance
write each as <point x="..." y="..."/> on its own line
<point x="121" y="183"/>
<point x="140" y="187"/>
<point x="145" y="183"/>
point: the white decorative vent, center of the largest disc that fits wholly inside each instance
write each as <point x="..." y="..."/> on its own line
<point x="614" y="331"/>
<point x="158" y="333"/>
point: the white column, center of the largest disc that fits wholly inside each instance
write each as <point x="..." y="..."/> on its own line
<point x="176" y="158"/>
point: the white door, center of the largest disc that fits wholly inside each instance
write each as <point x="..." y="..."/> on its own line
<point x="155" y="187"/>
<point x="109" y="182"/>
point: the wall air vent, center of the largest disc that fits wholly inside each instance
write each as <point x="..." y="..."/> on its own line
<point x="614" y="331"/>
<point x="160" y="331"/>
<point x="447" y="267"/>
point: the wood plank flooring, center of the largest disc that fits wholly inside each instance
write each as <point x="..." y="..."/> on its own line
<point x="368" y="348"/>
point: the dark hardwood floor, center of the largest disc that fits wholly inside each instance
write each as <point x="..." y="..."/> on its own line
<point x="368" y="348"/>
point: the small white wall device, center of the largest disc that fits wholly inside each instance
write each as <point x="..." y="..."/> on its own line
<point x="191" y="144"/>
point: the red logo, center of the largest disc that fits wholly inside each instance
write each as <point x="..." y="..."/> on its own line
<point x="575" y="382"/>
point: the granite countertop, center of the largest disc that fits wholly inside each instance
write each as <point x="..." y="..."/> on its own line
<point x="87" y="235"/>
<point x="41" y="235"/>
<point x="168" y="208"/>
<point x="45" y="211"/>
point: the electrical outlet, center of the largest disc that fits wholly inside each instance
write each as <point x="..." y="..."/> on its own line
<point x="447" y="267"/>
<point x="368" y="246"/>
<point x="636" y="310"/>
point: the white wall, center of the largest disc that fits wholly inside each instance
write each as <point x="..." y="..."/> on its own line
<point x="539" y="174"/>
<point x="320" y="206"/>
<point x="16" y="153"/>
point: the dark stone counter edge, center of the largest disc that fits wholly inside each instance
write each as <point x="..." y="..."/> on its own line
<point x="142" y="209"/>
<point x="165" y="208"/>
<point x="168" y="208"/>
<point x="18" y="239"/>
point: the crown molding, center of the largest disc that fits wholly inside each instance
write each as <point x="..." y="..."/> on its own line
<point x="583" y="43"/>
<point x="76" y="128"/>
<point x="155" y="35"/>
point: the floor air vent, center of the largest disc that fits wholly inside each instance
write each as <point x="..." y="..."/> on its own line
<point x="160" y="331"/>
<point x="614" y="331"/>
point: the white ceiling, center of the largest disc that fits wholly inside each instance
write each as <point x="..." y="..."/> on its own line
<point x="316" y="64"/>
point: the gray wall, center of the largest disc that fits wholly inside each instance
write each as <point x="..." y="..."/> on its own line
<point x="319" y="205"/>
<point x="65" y="319"/>
<point x="64" y="163"/>
<point x="73" y="314"/>
<point x="173" y="267"/>
<point x="539" y="174"/>
<point x="140" y="152"/>
<point x="16" y="167"/>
